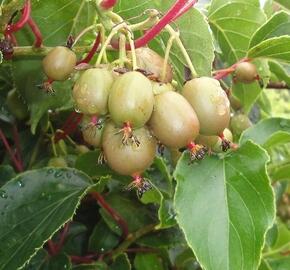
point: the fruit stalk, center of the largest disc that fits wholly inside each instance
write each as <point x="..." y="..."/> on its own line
<point x="38" y="36"/>
<point x="222" y="73"/>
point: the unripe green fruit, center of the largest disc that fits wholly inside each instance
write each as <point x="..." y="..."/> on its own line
<point x="92" y="134"/>
<point x="210" y="103"/>
<point x="59" y="63"/>
<point x="227" y="136"/>
<point x="128" y="159"/>
<point x="16" y="106"/>
<point x="152" y="62"/>
<point x="57" y="162"/>
<point x="131" y="99"/>
<point x="173" y="120"/>
<point x="91" y="91"/>
<point x="208" y="141"/>
<point x="246" y="72"/>
<point x="239" y="123"/>
<point x="82" y="149"/>
<point x="159" y="88"/>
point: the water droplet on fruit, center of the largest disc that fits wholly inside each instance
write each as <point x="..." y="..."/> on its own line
<point x="3" y="194"/>
<point x="20" y="183"/>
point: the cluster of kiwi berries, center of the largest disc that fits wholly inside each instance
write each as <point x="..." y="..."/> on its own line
<point x="129" y="113"/>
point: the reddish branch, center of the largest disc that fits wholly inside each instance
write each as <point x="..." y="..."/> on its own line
<point x="222" y="73"/>
<point x="17" y="163"/>
<point x="22" y="21"/>
<point x="69" y="126"/>
<point x="38" y="36"/>
<point x="173" y="13"/>
<point x="107" y="4"/>
<point x="90" y="55"/>
<point x="116" y="216"/>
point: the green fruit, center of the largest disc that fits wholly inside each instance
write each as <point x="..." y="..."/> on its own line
<point x="57" y="162"/>
<point x="246" y="72"/>
<point x="159" y="88"/>
<point x="128" y="159"/>
<point x="210" y="103"/>
<point x="59" y="63"/>
<point x="152" y="62"/>
<point x="227" y="136"/>
<point x="131" y="99"/>
<point x="82" y="149"/>
<point x="91" y="91"/>
<point x="239" y="123"/>
<point x="208" y="141"/>
<point x="16" y="105"/>
<point x="92" y="134"/>
<point x="173" y="120"/>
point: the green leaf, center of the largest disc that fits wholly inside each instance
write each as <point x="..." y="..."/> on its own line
<point x="247" y="94"/>
<point x="6" y="174"/>
<point x="280" y="72"/>
<point x="281" y="173"/>
<point x="163" y="238"/>
<point x="33" y="206"/>
<point x="37" y="260"/>
<point x="60" y="261"/>
<point x="264" y="265"/>
<point x="102" y="238"/>
<point x="274" y="48"/>
<point x="147" y="262"/>
<point x="278" y="25"/>
<point x="131" y="210"/>
<point x="122" y="262"/>
<point x="268" y="132"/>
<point x="280" y="264"/>
<point x="236" y="195"/>
<point x="226" y="19"/>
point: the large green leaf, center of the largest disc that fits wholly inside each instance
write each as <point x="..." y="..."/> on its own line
<point x="280" y="264"/>
<point x="216" y="4"/>
<point x="226" y="19"/>
<point x="268" y="132"/>
<point x="277" y="25"/>
<point x="33" y="206"/>
<point x="274" y="48"/>
<point x="225" y="206"/>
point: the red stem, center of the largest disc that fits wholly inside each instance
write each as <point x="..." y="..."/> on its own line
<point x="17" y="144"/>
<point x="171" y="14"/>
<point x="34" y="28"/>
<point x="80" y="259"/>
<point x="62" y="238"/>
<point x="69" y="126"/>
<point x="116" y="216"/>
<point x="52" y="248"/>
<point x="10" y="152"/>
<point x="90" y="55"/>
<point x="220" y="74"/>
<point x="185" y="8"/>
<point x="107" y="4"/>
<point x="23" y="20"/>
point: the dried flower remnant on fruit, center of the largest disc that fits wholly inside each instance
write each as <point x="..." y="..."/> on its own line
<point x="196" y="151"/>
<point x="140" y="184"/>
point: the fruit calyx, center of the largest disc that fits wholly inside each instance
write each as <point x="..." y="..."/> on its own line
<point x="140" y="184"/>
<point x="128" y="135"/>
<point x="196" y="151"/>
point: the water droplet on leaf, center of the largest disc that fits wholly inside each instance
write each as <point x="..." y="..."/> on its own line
<point x="20" y="183"/>
<point x="3" y="194"/>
